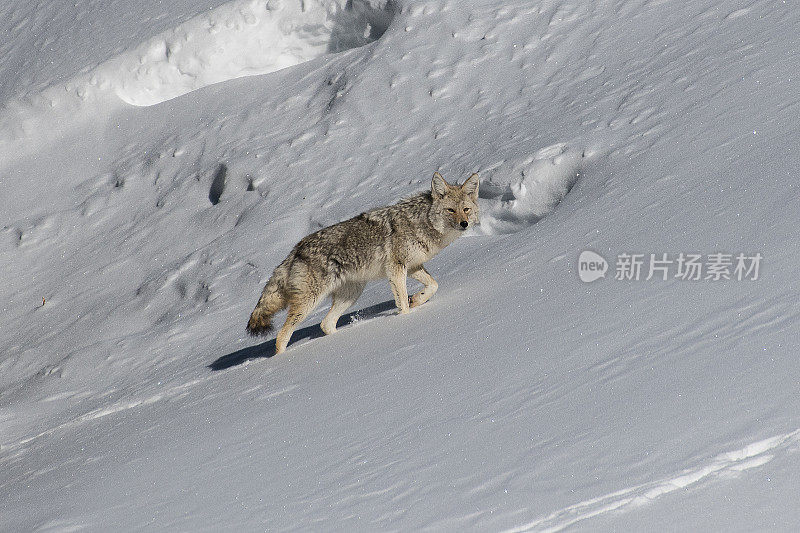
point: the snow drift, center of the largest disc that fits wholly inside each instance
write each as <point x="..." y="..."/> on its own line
<point x="146" y="195"/>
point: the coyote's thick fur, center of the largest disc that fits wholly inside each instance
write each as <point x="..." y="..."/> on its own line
<point x="388" y="242"/>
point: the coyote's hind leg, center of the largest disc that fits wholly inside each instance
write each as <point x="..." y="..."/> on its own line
<point x="342" y="298"/>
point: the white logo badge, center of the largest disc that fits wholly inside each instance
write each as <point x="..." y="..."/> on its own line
<point x="591" y="266"/>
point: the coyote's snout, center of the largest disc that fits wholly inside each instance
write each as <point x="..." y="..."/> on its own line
<point x="388" y="242"/>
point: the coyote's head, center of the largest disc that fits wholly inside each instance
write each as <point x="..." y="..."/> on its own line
<point x="455" y="206"/>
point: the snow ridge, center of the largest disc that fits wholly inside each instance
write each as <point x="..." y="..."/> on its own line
<point x="237" y="39"/>
<point x="753" y="455"/>
<point x="240" y="39"/>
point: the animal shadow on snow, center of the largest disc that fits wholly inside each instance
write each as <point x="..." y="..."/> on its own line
<point x="267" y="349"/>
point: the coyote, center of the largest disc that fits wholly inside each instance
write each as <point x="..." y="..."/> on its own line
<point x="388" y="242"/>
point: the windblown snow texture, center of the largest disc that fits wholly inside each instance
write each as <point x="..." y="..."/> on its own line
<point x="158" y="159"/>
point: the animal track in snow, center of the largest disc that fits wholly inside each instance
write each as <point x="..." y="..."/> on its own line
<point x="517" y="193"/>
<point x="178" y="288"/>
<point x="218" y="184"/>
<point x="29" y="233"/>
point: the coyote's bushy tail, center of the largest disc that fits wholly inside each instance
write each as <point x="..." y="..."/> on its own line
<point x="273" y="299"/>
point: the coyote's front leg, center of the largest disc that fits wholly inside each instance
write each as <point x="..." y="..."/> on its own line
<point x="424" y="277"/>
<point x="397" y="280"/>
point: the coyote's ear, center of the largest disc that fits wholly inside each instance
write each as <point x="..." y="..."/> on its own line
<point x="470" y="187"/>
<point x="438" y="185"/>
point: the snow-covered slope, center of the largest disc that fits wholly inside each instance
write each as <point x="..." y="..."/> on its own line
<point x="155" y="167"/>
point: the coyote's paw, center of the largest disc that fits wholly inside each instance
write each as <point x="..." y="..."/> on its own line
<point x="418" y="299"/>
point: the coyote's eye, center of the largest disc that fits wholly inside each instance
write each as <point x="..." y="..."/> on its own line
<point x="466" y="209"/>
<point x="451" y="210"/>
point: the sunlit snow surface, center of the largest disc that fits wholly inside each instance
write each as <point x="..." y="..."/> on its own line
<point x="159" y="159"/>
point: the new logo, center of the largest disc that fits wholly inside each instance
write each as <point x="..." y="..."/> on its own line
<point x="591" y="266"/>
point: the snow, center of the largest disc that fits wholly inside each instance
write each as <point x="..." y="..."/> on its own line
<point x="157" y="161"/>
